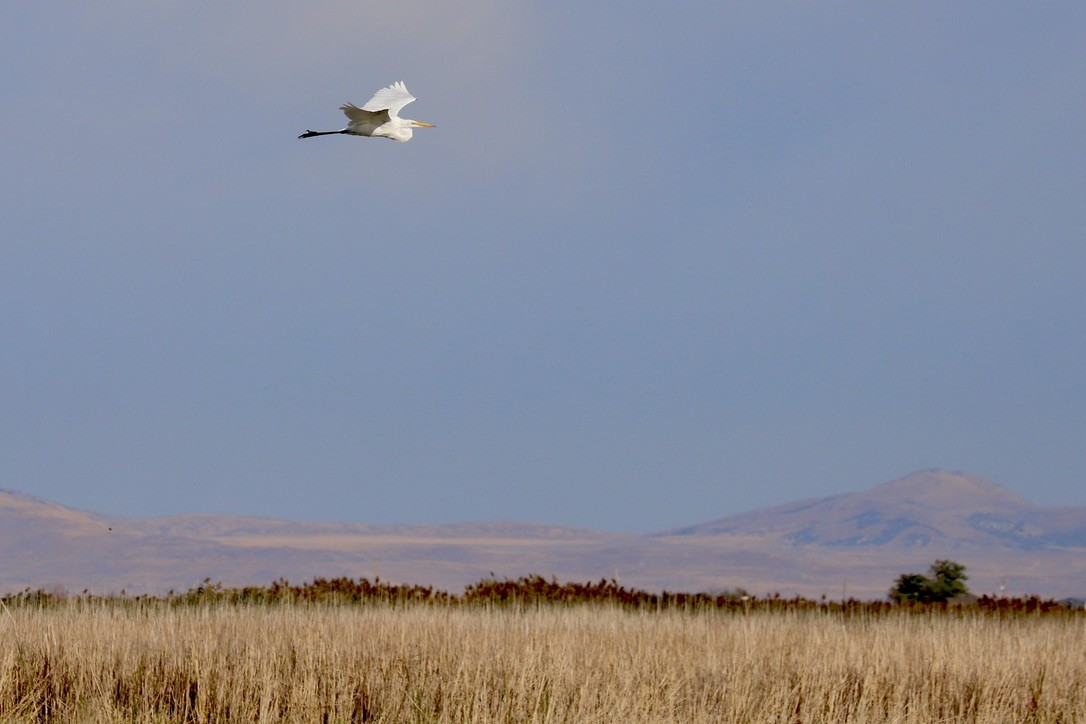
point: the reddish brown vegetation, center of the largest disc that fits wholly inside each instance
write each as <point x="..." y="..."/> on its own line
<point x="534" y="590"/>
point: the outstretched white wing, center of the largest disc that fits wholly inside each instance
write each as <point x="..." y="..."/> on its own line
<point x="363" y="123"/>
<point x="390" y="99"/>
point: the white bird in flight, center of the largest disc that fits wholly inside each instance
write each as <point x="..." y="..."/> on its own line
<point x="378" y="118"/>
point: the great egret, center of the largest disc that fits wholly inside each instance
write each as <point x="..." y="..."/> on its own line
<point x="378" y="117"/>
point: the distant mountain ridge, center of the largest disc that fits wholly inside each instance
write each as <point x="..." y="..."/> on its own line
<point x="852" y="544"/>
<point x="926" y="508"/>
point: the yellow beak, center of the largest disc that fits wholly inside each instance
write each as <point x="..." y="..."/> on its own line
<point x="424" y="125"/>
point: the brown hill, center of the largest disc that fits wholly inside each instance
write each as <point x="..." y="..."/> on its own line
<point x="845" y="545"/>
<point x="930" y="508"/>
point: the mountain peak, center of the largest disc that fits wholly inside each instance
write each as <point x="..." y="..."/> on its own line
<point x="926" y="508"/>
<point x="945" y="489"/>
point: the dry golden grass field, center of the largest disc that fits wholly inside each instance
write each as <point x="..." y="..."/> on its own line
<point x="81" y="660"/>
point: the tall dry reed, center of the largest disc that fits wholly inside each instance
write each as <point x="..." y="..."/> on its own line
<point x="103" y="661"/>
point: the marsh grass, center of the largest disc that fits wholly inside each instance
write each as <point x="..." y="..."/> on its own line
<point x="94" y="660"/>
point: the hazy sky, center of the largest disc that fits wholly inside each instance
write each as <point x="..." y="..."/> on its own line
<point x="653" y="267"/>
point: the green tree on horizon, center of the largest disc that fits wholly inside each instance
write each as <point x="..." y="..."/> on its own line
<point x="947" y="581"/>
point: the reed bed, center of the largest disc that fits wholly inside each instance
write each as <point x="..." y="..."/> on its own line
<point x="88" y="660"/>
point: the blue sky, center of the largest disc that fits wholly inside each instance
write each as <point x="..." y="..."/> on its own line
<point x="653" y="266"/>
